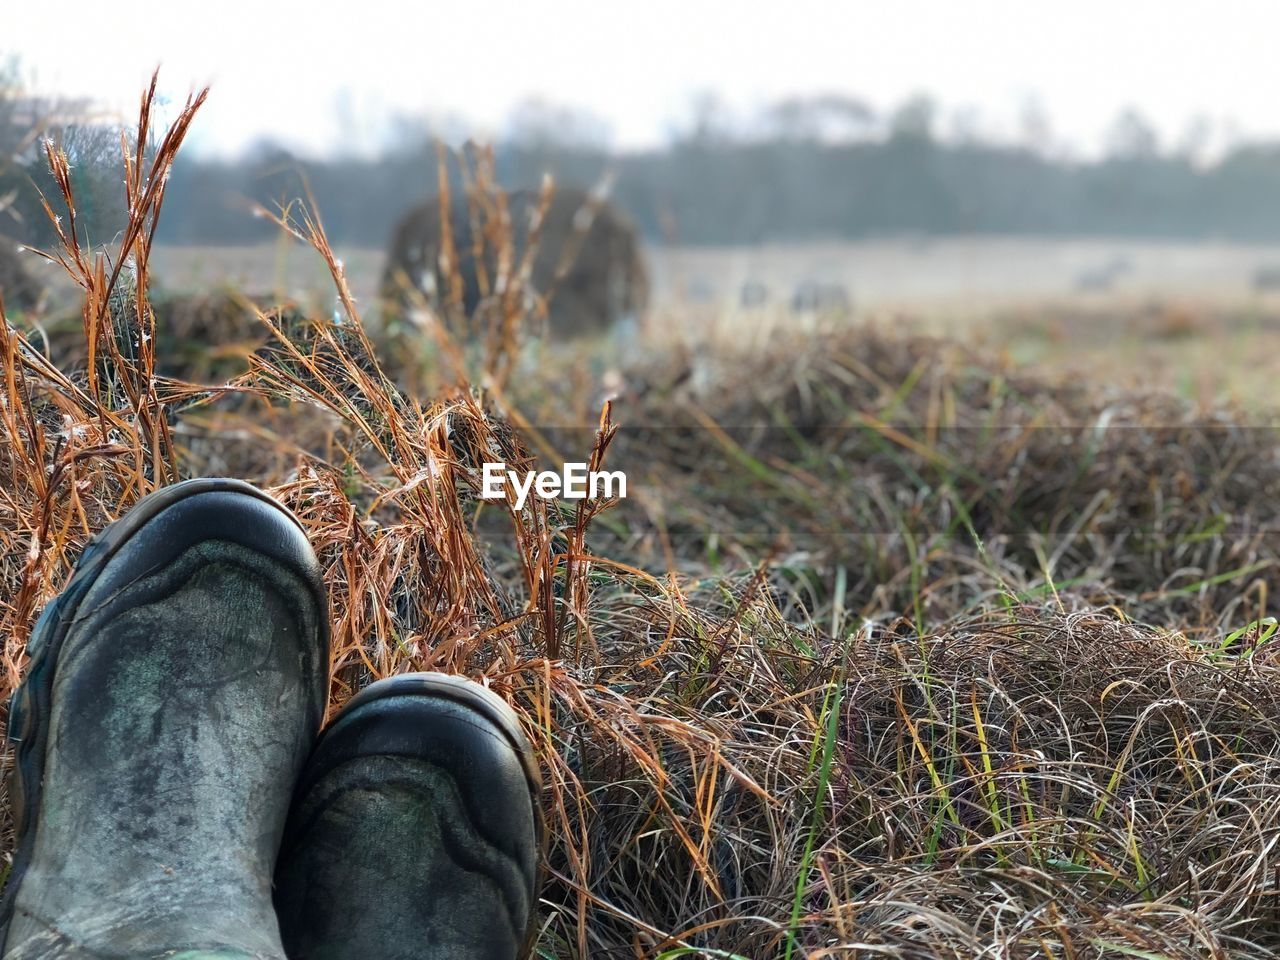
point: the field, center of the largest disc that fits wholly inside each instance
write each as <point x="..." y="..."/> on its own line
<point x="1168" y="305"/>
<point x="902" y="644"/>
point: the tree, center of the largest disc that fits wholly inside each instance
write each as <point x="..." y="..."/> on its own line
<point x="1035" y="131"/>
<point x="91" y="142"/>
<point x="1132" y="137"/>
<point x="914" y="119"/>
<point x="540" y="125"/>
<point x="829" y="118"/>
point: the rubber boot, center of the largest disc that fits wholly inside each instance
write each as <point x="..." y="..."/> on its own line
<point x="415" y="831"/>
<point x="174" y="692"/>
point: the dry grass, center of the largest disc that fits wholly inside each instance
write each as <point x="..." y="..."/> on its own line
<point x="1153" y="343"/>
<point x="921" y="739"/>
<point x="926" y="470"/>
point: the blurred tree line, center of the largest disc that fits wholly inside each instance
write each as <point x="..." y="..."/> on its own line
<point x="805" y="169"/>
<point x="92" y="144"/>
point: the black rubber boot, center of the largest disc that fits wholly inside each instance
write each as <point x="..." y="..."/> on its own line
<point x="415" y="830"/>
<point x="175" y="690"/>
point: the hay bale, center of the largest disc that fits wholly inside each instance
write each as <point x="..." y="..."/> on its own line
<point x="587" y="262"/>
<point x="18" y="289"/>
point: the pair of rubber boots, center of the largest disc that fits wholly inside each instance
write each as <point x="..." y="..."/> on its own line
<point x="172" y="797"/>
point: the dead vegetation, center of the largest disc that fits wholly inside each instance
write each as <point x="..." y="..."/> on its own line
<point x="18" y="289"/>
<point x="571" y="258"/>
<point x="926" y="470"/>
<point x="934" y="744"/>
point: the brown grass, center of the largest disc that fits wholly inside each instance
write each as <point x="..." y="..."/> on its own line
<point x="921" y="739"/>
<point x="926" y="469"/>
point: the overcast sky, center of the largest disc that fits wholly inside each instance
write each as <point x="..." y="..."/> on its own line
<point x="281" y="69"/>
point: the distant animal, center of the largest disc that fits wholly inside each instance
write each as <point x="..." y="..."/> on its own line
<point x="1102" y="278"/>
<point x="700" y="291"/>
<point x="1266" y="278"/>
<point x="18" y="289"/>
<point x="588" y="260"/>
<point x="813" y="297"/>
<point x="753" y="294"/>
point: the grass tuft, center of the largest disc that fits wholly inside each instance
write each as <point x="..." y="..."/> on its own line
<point x="862" y="670"/>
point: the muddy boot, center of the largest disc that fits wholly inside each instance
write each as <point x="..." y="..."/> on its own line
<point x="414" y="832"/>
<point x="175" y="690"/>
